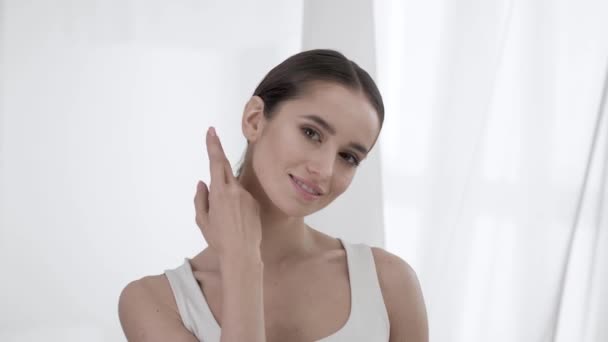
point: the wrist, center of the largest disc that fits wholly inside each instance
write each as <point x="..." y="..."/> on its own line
<point x="238" y="273"/>
<point x="241" y="261"/>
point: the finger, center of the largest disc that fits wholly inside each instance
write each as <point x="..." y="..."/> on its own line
<point x="218" y="163"/>
<point x="216" y="159"/>
<point x="201" y="203"/>
<point x="222" y="155"/>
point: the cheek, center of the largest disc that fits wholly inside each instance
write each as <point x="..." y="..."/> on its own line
<point x="287" y="146"/>
<point x="275" y="150"/>
<point x="341" y="181"/>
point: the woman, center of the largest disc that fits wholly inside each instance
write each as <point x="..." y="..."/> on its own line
<point x="266" y="275"/>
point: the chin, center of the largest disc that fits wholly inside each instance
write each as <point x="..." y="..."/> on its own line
<point x="290" y="206"/>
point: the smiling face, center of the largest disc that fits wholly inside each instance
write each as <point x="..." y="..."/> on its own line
<point x="307" y="154"/>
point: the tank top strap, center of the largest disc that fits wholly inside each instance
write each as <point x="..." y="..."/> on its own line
<point x="191" y="303"/>
<point x="367" y="300"/>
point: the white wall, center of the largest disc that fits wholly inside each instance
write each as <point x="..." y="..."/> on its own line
<point x="104" y="107"/>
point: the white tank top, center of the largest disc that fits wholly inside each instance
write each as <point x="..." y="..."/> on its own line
<point x="368" y="320"/>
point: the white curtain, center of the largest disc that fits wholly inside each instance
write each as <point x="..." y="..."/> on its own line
<point x="494" y="163"/>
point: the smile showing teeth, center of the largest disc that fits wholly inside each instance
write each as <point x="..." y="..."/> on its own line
<point x="309" y="190"/>
<point x="305" y="187"/>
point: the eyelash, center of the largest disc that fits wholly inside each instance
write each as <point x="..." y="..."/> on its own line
<point x="354" y="162"/>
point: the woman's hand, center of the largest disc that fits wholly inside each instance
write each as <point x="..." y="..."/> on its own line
<point x="229" y="218"/>
<point x="228" y="215"/>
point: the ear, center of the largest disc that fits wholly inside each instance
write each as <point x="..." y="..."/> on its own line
<point x="253" y="119"/>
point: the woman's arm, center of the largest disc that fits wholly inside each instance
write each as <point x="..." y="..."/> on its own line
<point x="242" y="299"/>
<point x="229" y="218"/>
<point x="403" y="298"/>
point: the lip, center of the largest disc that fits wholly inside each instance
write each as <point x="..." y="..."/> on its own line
<point x="305" y="194"/>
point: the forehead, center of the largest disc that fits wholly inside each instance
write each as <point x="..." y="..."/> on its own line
<point x="348" y="111"/>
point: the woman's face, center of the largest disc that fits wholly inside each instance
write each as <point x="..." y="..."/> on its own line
<point x="317" y="139"/>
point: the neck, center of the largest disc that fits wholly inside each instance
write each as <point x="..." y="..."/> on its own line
<point x="285" y="238"/>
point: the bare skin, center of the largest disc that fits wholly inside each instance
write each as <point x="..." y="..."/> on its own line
<point x="298" y="289"/>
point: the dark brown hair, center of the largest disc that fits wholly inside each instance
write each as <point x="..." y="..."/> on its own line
<point x="291" y="79"/>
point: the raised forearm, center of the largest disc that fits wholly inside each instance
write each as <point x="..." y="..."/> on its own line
<point x="243" y="299"/>
<point x="229" y="218"/>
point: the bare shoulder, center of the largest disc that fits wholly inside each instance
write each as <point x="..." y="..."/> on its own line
<point x="148" y="312"/>
<point x="391" y="268"/>
<point x="402" y="296"/>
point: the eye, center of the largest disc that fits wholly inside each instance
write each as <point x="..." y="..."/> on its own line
<point x="311" y="133"/>
<point x="351" y="159"/>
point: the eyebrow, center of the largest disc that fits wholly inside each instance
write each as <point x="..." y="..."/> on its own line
<point x="321" y="122"/>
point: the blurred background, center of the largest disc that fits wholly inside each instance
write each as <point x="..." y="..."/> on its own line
<point x="489" y="177"/>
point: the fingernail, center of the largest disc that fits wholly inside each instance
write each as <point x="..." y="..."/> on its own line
<point x="212" y="131"/>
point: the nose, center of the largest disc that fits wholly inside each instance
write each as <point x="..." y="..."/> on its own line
<point x="321" y="165"/>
